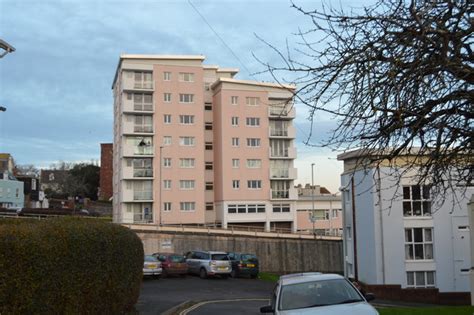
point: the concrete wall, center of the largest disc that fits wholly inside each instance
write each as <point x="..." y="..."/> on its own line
<point x="276" y="255"/>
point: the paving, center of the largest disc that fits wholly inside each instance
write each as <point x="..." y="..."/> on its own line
<point x="160" y="295"/>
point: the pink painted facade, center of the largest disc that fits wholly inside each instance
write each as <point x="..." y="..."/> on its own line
<point x="195" y="146"/>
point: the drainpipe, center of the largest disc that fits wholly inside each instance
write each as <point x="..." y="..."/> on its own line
<point x="356" y="272"/>
<point x="382" y="247"/>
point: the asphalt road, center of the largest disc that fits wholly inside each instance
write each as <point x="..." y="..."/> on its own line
<point x="159" y="295"/>
<point x="242" y="307"/>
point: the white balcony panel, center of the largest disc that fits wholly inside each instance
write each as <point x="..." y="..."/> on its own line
<point x="284" y="194"/>
<point x="131" y="106"/>
<point x="130" y="84"/>
<point x="129" y="150"/>
<point x="278" y="112"/>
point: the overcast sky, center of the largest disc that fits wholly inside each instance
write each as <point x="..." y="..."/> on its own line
<point x="57" y="84"/>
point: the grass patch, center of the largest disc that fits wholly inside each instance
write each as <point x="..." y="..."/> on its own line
<point x="444" y="310"/>
<point x="266" y="276"/>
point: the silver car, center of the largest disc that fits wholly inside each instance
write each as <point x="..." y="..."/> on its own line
<point x="151" y="266"/>
<point x="207" y="263"/>
<point x="317" y="293"/>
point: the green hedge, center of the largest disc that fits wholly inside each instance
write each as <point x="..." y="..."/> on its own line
<point x="68" y="266"/>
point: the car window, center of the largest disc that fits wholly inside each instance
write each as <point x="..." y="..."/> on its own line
<point x="317" y="293"/>
<point x="231" y="256"/>
<point x="274" y="297"/>
<point x="150" y="258"/>
<point x="249" y="257"/>
<point x="205" y="256"/>
<point x="196" y="255"/>
<point x="220" y="257"/>
<point x="162" y="258"/>
<point x="176" y="258"/>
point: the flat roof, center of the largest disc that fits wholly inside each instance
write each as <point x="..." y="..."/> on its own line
<point x="254" y="83"/>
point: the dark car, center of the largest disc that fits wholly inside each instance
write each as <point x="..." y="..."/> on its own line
<point x="244" y="264"/>
<point x="172" y="264"/>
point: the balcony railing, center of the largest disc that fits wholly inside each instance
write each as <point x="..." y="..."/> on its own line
<point x="143" y="129"/>
<point x="278" y="132"/>
<point x="280" y="194"/>
<point x="143" y="107"/>
<point x="279" y="173"/>
<point x="143" y="85"/>
<point x="143" y="173"/>
<point x="142" y="195"/>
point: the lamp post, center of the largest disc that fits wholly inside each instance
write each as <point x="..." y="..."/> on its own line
<point x="160" y="184"/>
<point x="312" y="197"/>
<point x="6" y="47"/>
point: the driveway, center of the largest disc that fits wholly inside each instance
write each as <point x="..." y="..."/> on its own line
<point x="159" y="295"/>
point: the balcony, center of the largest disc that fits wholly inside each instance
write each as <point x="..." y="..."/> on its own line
<point x="284" y="194"/>
<point x="143" y="195"/>
<point x="289" y="133"/>
<point x="283" y="173"/>
<point x="281" y="112"/>
<point x="129" y="150"/>
<point x="130" y="106"/>
<point x="286" y="153"/>
<point x="129" y="83"/>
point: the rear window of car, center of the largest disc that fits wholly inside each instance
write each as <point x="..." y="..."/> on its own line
<point x="220" y="257"/>
<point x="150" y="258"/>
<point x="249" y="257"/>
<point x="176" y="258"/>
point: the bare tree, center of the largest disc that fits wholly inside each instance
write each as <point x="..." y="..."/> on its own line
<point x="397" y="75"/>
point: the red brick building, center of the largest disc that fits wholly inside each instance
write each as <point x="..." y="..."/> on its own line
<point x="106" y="171"/>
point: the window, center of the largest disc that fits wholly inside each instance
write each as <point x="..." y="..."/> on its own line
<point x="234" y="100"/>
<point x="33" y="184"/>
<point x="167" y="119"/>
<point x="244" y="208"/>
<point x="166" y="206"/>
<point x="167" y="162"/>
<point x="143" y="123"/>
<point x="208" y="126"/>
<point x="418" y="244"/>
<point x="142" y="190"/>
<point x="208" y="165"/>
<point x="142" y="167"/>
<point x="186" y="98"/>
<point x="209" y="186"/>
<point x="284" y="207"/>
<point x="252" y="101"/>
<point x="235" y="142"/>
<point x="207" y="106"/>
<point x="186" y="119"/>
<point x="254" y="184"/>
<point x="186" y="141"/>
<point x="186" y="184"/>
<point x="253" y="121"/>
<point x="186" y="163"/>
<point x="253" y="142"/>
<point x="187" y="206"/>
<point x="421" y="279"/>
<point x="236" y="184"/>
<point x="167" y="140"/>
<point x="141" y="101"/>
<point x="235" y="121"/>
<point x="235" y="163"/>
<point x="167" y="97"/>
<point x="254" y="163"/>
<point x="207" y="86"/>
<point x="416" y="201"/>
<point x="166" y="76"/>
<point x="208" y="146"/>
<point x="186" y="77"/>
<point x="167" y="184"/>
<point x="209" y="206"/>
<point x="143" y="80"/>
<point x="279" y="147"/>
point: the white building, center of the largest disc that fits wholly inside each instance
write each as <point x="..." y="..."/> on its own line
<point x="395" y="234"/>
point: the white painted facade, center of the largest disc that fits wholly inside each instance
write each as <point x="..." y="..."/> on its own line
<point x="379" y="234"/>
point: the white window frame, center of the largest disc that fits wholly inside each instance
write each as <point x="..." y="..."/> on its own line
<point x="234" y="121"/>
<point x="234" y="100"/>
<point x="167" y="140"/>
<point x="252" y="101"/>
<point x="424" y="203"/>
<point x="254" y="184"/>
<point x="166" y="76"/>
<point x="254" y="163"/>
<point x="235" y="163"/>
<point x="426" y="245"/>
<point x="252" y="121"/>
<point x="167" y="184"/>
<point x="167" y="119"/>
<point x="166" y="162"/>
<point x="425" y="283"/>
<point x="186" y="77"/>
<point x="186" y="119"/>
<point x="186" y="163"/>
<point x="167" y="206"/>
<point x="235" y="184"/>
<point x="235" y="142"/>
<point x="253" y="142"/>
<point x="187" y="184"/>
<point x="167" y="97"/>
<point x="185" y="98"/>
<point x="187" y="206"/>
<point x="187" y="141"/>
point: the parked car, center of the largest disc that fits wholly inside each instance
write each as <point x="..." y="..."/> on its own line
<point x="151" y="266"/>
<point x="243" y="264"/>
<point x="317" y="293"/>
<point x="207" y="263"/>
<point x="172" y="264"/>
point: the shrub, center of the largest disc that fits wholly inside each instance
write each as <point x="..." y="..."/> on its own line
<point x="68" y="266"/>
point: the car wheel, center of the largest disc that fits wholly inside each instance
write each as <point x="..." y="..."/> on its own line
<point x="203" y="273"/>
<point x="225" y="276"/>
<point x="233" y="274"/>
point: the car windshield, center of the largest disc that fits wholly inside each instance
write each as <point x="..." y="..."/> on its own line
<point x="176" y="258"/>
<point x="249" y="257"/>
<point x="220" y="257"/>
<point x="151" y="258"/>
<point x="317" y="293"/>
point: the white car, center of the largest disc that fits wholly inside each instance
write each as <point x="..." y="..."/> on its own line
<point x="317" y="293"/>
<point x="151" y="266"/>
